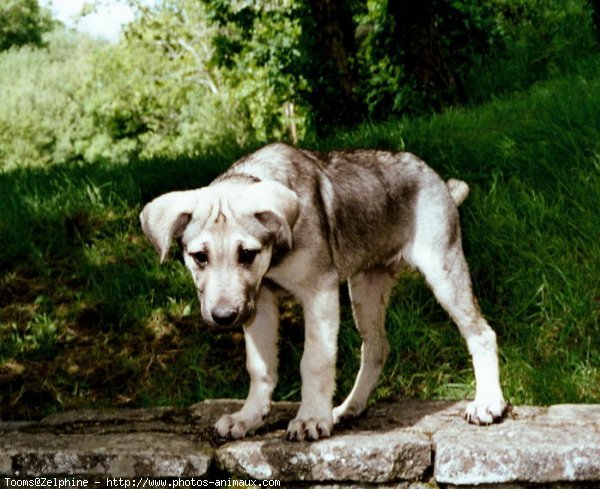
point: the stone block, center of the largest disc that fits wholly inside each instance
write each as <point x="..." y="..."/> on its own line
<point x="539" y="451"/>
<point x="362" y="457"/>
<point x="84" y="417"/>
<point x="588" y="414"/>
<point x="392" y="445"/>
<point x="365" y="485"/>
<point x="115" y="455"/>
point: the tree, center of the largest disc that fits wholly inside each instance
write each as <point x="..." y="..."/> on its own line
<point x="595" y="4"/>
<point x="335" y="98"/>
<point x="185" y="100"/>
<point x="23" y="22"/>
<point x="419" y="37"/>
<point x="260" y="52"/>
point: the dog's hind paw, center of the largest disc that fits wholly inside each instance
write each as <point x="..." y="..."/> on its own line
<point x="484" y="413"/>
<point x="309" y="429"/>
<point x="345" y="412"/>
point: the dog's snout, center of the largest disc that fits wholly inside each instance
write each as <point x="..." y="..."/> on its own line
<point x="224" y="317"/>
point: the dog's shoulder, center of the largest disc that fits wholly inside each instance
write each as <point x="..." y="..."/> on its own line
<point x="278" y="161"/>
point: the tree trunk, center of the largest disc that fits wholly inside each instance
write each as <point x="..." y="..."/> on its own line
<point x="337" y="101"/>
<point x="416" y="29"/>
<point x="595" y="4"/>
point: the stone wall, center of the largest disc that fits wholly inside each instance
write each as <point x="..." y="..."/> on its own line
<point x="402" y="444"/>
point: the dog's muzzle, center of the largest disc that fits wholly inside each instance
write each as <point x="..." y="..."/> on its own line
<point x="223" y="318"/>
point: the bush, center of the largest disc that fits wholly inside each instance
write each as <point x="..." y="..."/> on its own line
<point x="191" y="75"/>
<point x="532" y="41"/>
<point x="475" y="50"/>
<point x="83" y="100"/>
<point x="42" y="119"/>
<point x="23" y="22"/>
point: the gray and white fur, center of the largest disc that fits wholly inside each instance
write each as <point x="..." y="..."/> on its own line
<point x="302" y="221"/>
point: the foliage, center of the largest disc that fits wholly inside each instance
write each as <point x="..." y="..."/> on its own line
<point x="41" y="109"/>
<point x="189" y="104"/>
<point x="189" y="75"/>
<point x="23" y="22"/>
<point x="492" y="46"/>
<point x="85" y="100"/>
<point x="166" y="89"/>
<point x="260" y="52"/>
<point x="536" y="40"/>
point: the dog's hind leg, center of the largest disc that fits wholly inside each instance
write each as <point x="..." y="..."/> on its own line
<point x="447" y="273"/>
<point x="369" y="292"/>
<point x="261" y="337"/>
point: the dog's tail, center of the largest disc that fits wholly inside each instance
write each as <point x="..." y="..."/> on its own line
<point x="458" y="189"/>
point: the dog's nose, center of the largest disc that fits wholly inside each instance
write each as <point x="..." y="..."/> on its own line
<point x="224" y="317"/>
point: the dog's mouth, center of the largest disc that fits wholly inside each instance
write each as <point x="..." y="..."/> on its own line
<point x="216" y="329"/>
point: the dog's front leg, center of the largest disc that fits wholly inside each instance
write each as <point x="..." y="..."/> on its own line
<point x="321" y="316"/>
<point x="261" y="362"/>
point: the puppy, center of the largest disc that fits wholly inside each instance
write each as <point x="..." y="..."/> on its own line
<point x="303" y="221"/>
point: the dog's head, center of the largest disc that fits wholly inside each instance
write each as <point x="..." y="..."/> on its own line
<point x="227" y="232"/>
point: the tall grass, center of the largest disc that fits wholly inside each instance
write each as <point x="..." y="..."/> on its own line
<point x="89" y="318"/>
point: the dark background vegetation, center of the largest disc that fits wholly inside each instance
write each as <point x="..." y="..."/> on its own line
<point x="504" y="94"/>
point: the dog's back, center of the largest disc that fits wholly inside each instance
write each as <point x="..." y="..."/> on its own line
<point x="374" y="196"/>
<point x="367" y="199"/>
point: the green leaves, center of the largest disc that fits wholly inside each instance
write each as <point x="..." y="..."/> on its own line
<point x="190" y="75"/>
<point x="23" y="22"/>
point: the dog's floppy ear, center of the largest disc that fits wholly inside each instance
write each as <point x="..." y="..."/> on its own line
<point x="276" y="208"/>
<point x="166" y="217"/>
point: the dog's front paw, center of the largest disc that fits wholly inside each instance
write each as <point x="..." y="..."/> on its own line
<point x="309" y="429"/>
<point x="485" y="412"/>
<point x="234" y="426"/>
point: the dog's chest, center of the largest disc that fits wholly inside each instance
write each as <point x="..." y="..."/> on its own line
<point x="301" y="268"/>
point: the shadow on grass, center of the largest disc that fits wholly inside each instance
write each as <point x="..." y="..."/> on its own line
<point x="88" y="317"/>
<point x="37" y="201"/>
<point x="82" y="298"/>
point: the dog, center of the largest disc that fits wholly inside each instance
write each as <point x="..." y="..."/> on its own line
<point x="303" y="222"/>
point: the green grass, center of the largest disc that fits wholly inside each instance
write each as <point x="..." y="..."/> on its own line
<point x="532" y="238"/>
<point x="89" y="318"/>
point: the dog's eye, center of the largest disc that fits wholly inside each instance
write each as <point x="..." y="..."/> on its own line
<point x="248" y="256"/>
<point x="201" y="258"/>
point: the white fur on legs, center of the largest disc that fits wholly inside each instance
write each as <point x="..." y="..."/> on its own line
<point x="322" y="317"/>
<point x="369" y="292"/>
<point x="261" y="362"/>
<point x="489" y="403"/>
<point x="448" y="276"/>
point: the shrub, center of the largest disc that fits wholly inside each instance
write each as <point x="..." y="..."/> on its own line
<point x="42" y="119"/>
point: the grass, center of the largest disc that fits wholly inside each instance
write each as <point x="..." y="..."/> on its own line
<point x="531" y="232"/>
<point x="88" y="318"/>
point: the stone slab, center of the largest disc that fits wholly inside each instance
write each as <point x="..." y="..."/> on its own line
<point x="525" y="485"/>
<point x="15" y="425"/>
<point x="106" y="416"/>
<point x="116" y="455"/>
<point x="540" y="451"/>
<point x="392" y="444"/>
<point x="362" y="457"/>
<point x="575" y="413"/>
